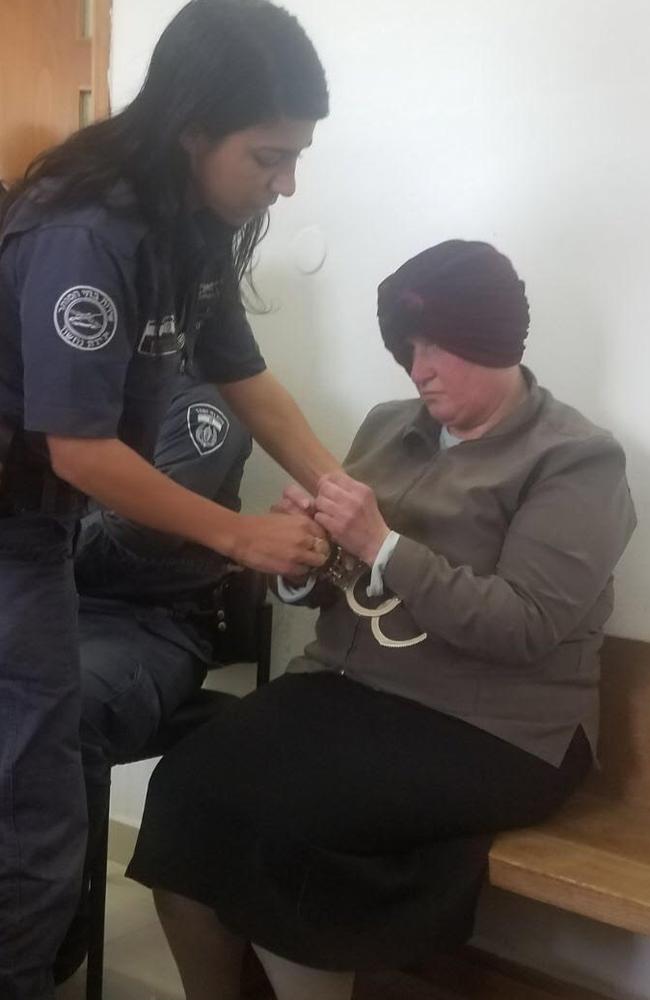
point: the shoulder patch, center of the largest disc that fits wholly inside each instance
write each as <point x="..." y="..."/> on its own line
<point x="208" y="427"/>
<point x="85" y="318"/>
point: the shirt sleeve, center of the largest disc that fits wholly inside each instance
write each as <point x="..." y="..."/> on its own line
<point x="77" y="314"/>
<point x="289" y="594"/>
<point x="557" y="558"/>
<point x="226" y="349"/>
<point x="376" y="586"/>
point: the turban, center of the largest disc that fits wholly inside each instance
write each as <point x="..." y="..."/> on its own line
<point x="463" y="296"/>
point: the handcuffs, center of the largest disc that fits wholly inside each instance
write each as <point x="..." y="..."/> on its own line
<point x="345" y="571"/>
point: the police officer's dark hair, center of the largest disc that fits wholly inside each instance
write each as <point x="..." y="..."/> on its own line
<point x="219" y="67"/>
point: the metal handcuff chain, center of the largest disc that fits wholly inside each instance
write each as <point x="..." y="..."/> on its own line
<point x="375" y="614"/>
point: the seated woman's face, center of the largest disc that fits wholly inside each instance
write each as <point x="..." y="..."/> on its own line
<point x="455" y="392"/>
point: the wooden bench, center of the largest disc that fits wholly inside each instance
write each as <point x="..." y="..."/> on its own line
<point x="592" y="858"/>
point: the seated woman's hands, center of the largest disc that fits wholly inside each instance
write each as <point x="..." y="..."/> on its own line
<point x="346" y="509"/>
<point x="349" y="513"/>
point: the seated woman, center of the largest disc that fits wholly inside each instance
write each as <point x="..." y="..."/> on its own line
<point x="340" y="818"/>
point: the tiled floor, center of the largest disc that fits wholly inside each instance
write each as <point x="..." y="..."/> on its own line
<point x="138" y="964"/>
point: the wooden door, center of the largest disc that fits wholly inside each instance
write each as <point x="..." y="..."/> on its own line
<point x="54" y="57"/>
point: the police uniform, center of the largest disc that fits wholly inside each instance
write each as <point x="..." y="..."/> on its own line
<point x="95" y="325"/>
<point x="146" y="623"/>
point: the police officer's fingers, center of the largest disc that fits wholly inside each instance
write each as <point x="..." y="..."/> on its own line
<point x="348" y="536"/>
<point x="300" y="565"/>
<point x="315" y="549"/>
<point x="312" y="560"/>
<point x="279" y="544"/>
<point x="298" y="574"/>
<point x="271" y="561"/>
<point x="298" y="539"/>
<point x="298" y="578"/>
<point x="308" y="528"/>
<point x="262" y="543"/>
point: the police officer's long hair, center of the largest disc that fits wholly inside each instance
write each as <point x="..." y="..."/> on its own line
<point x="220" y="66"/>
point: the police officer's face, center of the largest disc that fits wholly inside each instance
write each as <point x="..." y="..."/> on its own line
<point x="242" y="175"/>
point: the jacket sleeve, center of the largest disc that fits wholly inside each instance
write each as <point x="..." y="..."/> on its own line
<point x="558" y="555"/>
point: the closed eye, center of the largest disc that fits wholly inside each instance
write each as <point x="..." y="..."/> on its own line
<point x="267" y="159"/>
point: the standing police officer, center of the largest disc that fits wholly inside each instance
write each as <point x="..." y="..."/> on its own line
<point x="148" y="609"/>
<point x="120" y="260"/>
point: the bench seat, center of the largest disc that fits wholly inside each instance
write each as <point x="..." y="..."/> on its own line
<point x="593" y="858"/>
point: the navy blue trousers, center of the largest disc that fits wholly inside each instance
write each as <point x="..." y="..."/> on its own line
<point x="42" y="802"/>
<point x="137" y="667"/>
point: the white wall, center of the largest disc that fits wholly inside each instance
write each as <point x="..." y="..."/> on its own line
<point x="521" y="123"/>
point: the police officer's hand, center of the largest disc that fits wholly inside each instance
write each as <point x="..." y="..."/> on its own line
<point x="276" y="543"/>
<point x="348" y="511"/>
<point x="295" y="500"/>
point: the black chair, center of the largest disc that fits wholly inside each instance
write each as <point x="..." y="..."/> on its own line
<point x="243" y="627"/>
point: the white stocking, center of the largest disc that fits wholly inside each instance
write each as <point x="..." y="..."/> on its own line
<point x="298" y="982"/>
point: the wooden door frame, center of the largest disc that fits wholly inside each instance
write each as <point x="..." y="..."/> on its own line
<point x="101" y="47"/>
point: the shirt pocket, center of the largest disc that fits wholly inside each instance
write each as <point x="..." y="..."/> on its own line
<point x="151" y="375"/>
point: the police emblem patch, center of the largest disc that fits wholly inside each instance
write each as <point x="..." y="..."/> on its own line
<point x="208" y="427"/>
<point x="159" y="340"/>
<point x="86" y="318"/>
<point x="209" y="290"/>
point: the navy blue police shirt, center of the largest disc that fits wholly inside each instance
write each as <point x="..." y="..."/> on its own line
<point x="203" y="447"/>
<point x="124" y="568"/>
<point x="95" y="326"/>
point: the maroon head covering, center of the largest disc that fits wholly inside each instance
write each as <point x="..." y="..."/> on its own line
<point x="463" y="296"/>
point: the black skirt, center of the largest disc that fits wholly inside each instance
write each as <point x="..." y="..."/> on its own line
<point x="339" y="826"/>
